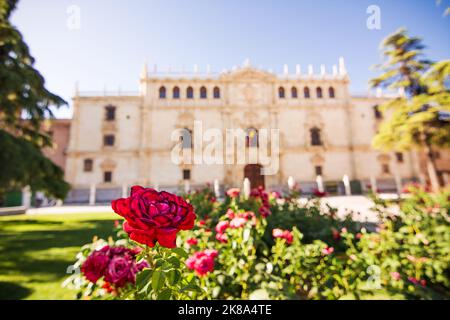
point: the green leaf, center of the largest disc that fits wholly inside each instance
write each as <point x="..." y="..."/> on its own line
<point x="166" y="266"/>
<point x="143" y="278"/>
<point x="192" y="287"/>
<point x="173" y="276"/>
<point x="158" y="263"/>
<point x="174" y="261"/>
<point x="165" y="294"/>
<point x="180" y="252"/>
<point x="158" y="278"/>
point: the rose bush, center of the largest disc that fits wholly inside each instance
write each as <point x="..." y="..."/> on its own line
<point x="269" y="246"/>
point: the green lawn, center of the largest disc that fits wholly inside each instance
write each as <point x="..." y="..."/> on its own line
<point x="35" y="251"/>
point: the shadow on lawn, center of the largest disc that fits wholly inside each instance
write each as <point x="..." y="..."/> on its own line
<point x="13" y="291"/>
<point x="19" y="257"/>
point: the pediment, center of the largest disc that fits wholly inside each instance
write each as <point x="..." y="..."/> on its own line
<point x="248" y="74"/>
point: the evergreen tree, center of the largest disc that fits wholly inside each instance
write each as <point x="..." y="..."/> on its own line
<point x="25" y="104"/>
<point x="417" y="119"/>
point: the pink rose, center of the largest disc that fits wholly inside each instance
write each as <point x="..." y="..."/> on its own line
<point x="395" y="275"/>
<point x="222" y="237"/>
<point x="230" y="214"/>
<point x="283" y="234"/>
<point x="233" y="192"/>
<point x="222" y="226"/>
<point x="202" y="262"/>
<point x="237" y="222"/>
<point x="328" y="250"/>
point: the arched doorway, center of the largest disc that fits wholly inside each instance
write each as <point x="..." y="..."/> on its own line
<point x="253" y="173"/>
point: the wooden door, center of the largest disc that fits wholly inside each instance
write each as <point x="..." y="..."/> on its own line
<point x="253" y="173"/>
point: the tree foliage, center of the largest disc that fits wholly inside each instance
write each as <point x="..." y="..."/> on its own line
<point x="404" y="64"/>
<point x="25" y="104"/>
<point x="419" y="118"/>
<point x="416" y="118"/>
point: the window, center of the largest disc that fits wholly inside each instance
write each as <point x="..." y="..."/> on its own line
<point x="251" y="139"/>
<point x="385" y="168"/>
<point x="108" y="140"/>
<point x="216" y="93"/>
<point x="107" y="176"/>
<point x="281" y="93"/>
<point x="186" y="174"/>
<point x="319" y="92"/>
<point x="294" y="92"/>
<point x="189" y="93"/>
<point x="176" y="93"/>
<point x="399" y="157"/>
<point x="377" y="113"/>
<point x="315" y="137"/>
<point x="186" y="138"/>
<point x="88" y="165"/>
<point x="110" y="113"/>
<point x="203" y="93"/>
<point x="306" y="93"/>
<point x="162" y="92"/>
<point x="331" y="92"/>
<point x="318" y="170"/>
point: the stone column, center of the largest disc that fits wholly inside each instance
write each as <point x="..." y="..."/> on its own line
<point x="124" y="190"/>
<point x="373" y="184"/>
<point x="346" y="181"/>
<point x="92" y="191"/>
<point x="26" y="197"/>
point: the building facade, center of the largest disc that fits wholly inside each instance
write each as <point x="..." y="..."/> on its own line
<point x="117" y="140"/>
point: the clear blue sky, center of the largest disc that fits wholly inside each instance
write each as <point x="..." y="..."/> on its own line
<point x="117" y="36"/>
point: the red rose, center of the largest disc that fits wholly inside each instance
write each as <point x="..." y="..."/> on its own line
<point x="153" y="216"/>
<point x="107" y="286"/>
<point x="117" y="265"/>
<point x="120" y="271"/>
<point x="319" y="194"/>
<point x="192" y="241"/>
<point x="96" y="264"/>
<point x="264" y="211"/>
<point x="336" y="234"/>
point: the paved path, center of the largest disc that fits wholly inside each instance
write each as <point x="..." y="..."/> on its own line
<point x="70" y="209"/>
<point x="359" y="205"/>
